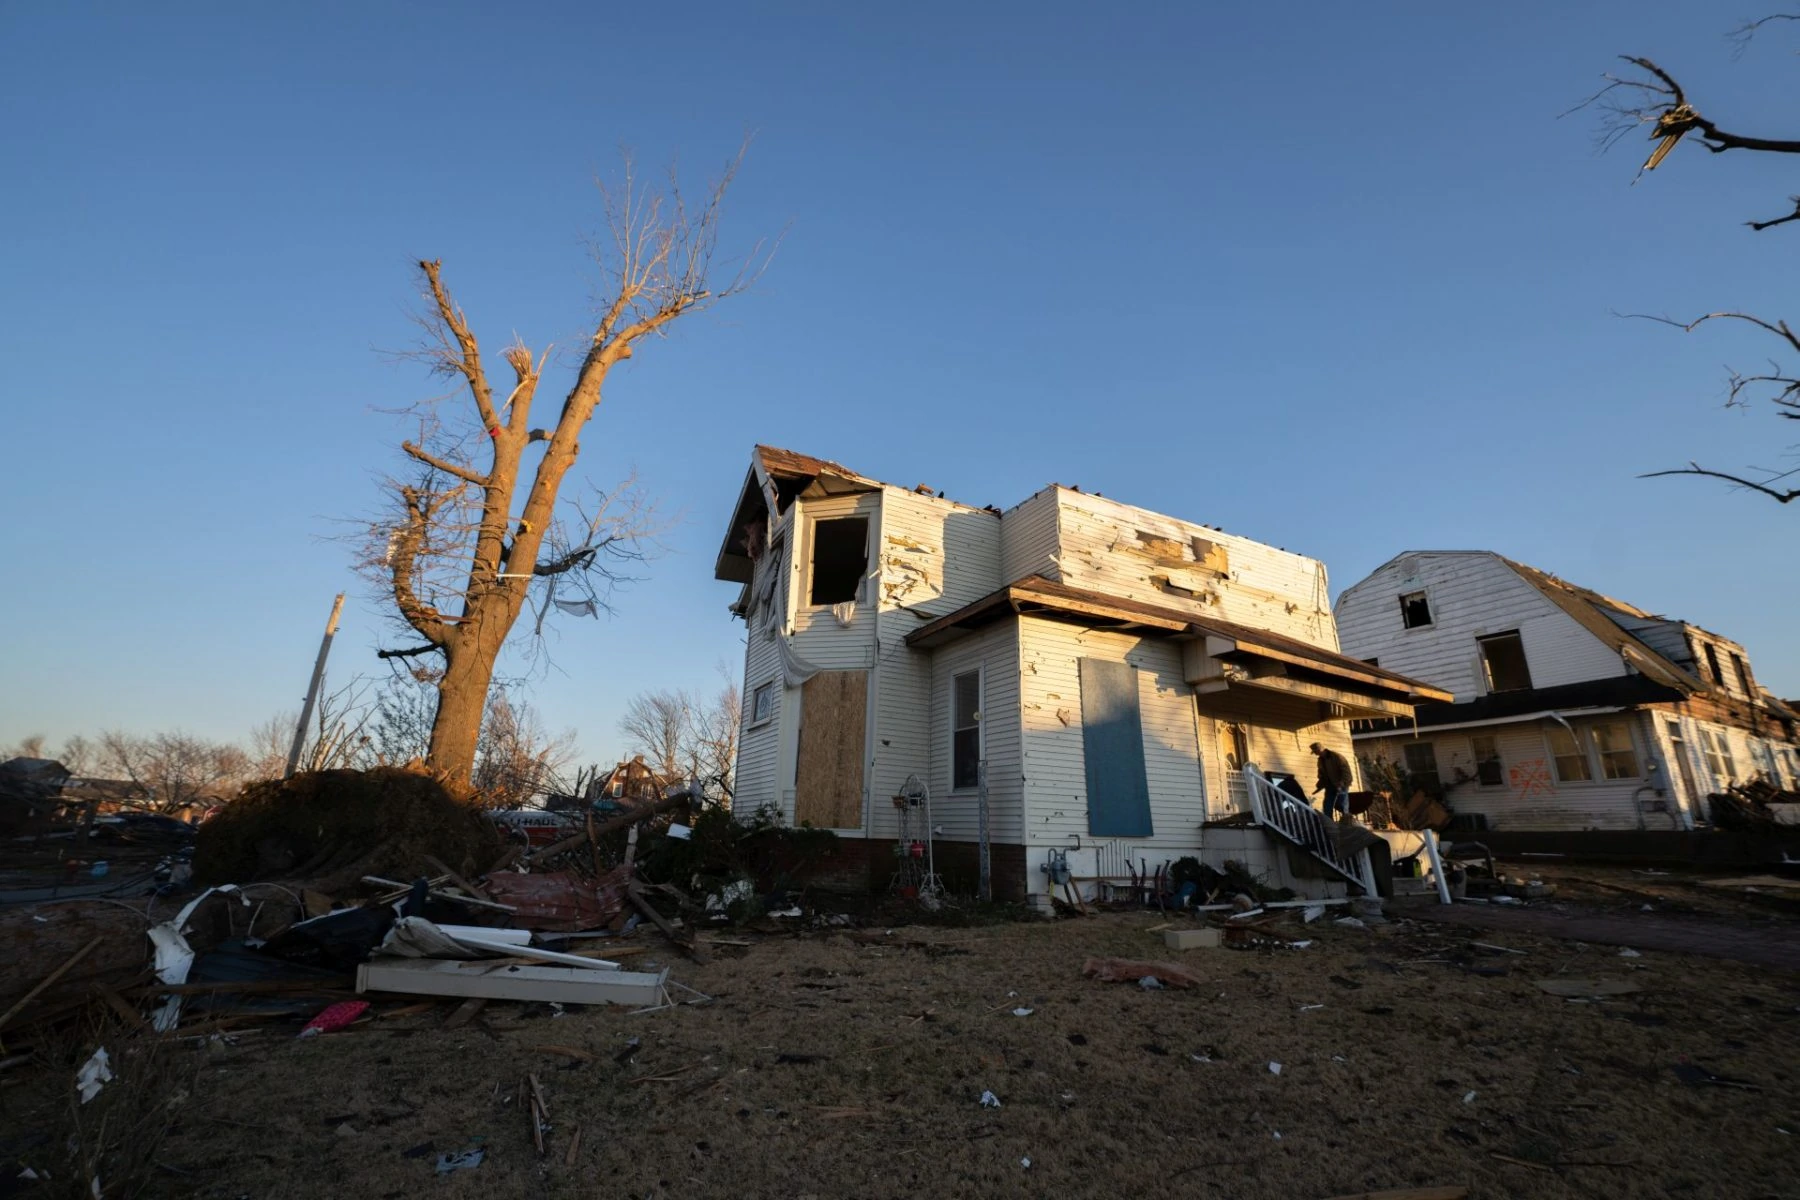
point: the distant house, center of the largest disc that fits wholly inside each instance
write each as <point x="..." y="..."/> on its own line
<point x="630" y="782"/>
<point x="1125" y="687"/>
<point x="1572" y="709"/>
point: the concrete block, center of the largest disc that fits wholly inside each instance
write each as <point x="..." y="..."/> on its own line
<point x="1190" y="939"/>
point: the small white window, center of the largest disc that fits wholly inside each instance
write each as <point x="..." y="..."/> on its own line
<point x="965" y="730"/>
<point x="1415" y="610"/>
<point x="1618" y="757"/>
<point x="1570" y="757"/>
<point x="762" y="703"/>
<point x="1489" y="771"/>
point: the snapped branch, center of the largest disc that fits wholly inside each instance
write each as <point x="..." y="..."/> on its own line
<point x="410" y="651"/>
<point x="468" y="352"/>
<point x="466" y="474"/>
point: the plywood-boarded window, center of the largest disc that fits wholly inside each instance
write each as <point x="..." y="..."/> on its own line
<point x="1112" y="742"/>
<point x="1503" y="661"/>
<point x="828" y="775"/>
<point x="840" y="559"/>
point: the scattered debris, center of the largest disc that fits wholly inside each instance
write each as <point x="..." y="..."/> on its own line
<point x="1022" y="1012"/>
<point x="1628" y="952"/>
<point x="1274" y="1068"/>
<point x="94" y="1074"/>
<point x="338" y="1016"/>
<point x="463" y="1161"/>
<point x="1125" y="970"/>
<point x="1586" y="989"/>
<point x="989" y="1100"/>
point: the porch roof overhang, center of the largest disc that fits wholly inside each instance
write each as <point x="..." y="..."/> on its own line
<point x="1234" y="668"/>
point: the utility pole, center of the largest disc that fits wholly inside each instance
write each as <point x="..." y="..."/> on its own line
<point x="312" y="690"/>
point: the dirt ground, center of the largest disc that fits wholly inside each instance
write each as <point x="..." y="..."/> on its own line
<point x="847" y="1063"/>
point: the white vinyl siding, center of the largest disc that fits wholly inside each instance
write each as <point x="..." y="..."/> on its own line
<point x="933" y="557"/>
<point x="1028" y="539"/>
<point x="1473" y="595"/>
<point x="994" y="653"/>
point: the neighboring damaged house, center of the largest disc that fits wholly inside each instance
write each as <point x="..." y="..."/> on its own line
<point x="1121" y="675"/>
<point x="1572" y="710"/>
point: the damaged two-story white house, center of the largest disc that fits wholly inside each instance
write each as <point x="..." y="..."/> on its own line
<point x="1117" y="681"/>
<point x="1572" y="710"/>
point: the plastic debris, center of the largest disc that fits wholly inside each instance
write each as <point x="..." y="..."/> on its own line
<point x="1026" y="1163"/>
<point x="1312" y="912"/>
<point x="1628" y="952"/>
<point x="464" y="1161"/>
<point x="334" y="1018"/>
<point x="1310" y="1007"/>
<point x="94" y="1074"/>
<point x="1647" y="908"/>
<point x="1277" y="1135"/>
<point x="1469" y="1098"/>
<point x="1350" y="922"/>
<point x="1150" y="982"/>
<point x="785" y="912"/>
<point x="989" y="1100"/>
<point x="1201" y="1058"/>
<point x="1274" y="1068"/>
<point x="1023" y="1012"/>
<point x="1300" y="945"/>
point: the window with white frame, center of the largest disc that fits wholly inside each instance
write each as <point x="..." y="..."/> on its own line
<point x="762" y="703"/>
<point x="1618" y="756"/>
<point x="1569" y="756"/>
<point x="965" y="730"/>
<point x="1422" y="767"/>
<point x="1717" y="752"/>
<point x="1489" y="770"/>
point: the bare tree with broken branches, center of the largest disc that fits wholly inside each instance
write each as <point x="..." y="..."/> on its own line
<point x="475" y="530"/>
<point x="1648" y="98"/>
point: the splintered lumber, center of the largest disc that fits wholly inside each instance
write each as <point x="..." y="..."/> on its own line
<point x="465" y="1012"/>
<point x="378" y="881"/>
<point x="52" y="977"/>
<point x="563" y="985"/>
<point x="623" y="821"/>
<point x="453" y="877"/>
<point x="685" y="945"/>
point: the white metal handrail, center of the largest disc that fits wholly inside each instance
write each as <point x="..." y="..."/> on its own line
<point x="1306" y="827"/>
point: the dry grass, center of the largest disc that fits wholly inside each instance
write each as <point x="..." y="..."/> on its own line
<point x="1099" y="1087"/>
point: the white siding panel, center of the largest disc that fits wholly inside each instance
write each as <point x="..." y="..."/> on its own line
<point x="1054" y="760"/>
<point x="1099" y="548"/>
<point x="1028" y="539"/>
<point x="1471" y="595"/>
<point x="993" y="651"/>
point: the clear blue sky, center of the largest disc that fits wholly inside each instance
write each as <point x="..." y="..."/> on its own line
<point x="1331" y="276"/>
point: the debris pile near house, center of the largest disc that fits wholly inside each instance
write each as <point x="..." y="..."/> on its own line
<point x="371" y="903"/>
<point x="330" y="828"/>
<point x="1754" y="807"/>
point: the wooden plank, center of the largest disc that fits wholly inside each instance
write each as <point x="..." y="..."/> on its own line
<point x="465" y="1012"/>
<point x="685" y="945"/>
<point x="566" y="985"/>
<point x="833" y="719"/>
<point x="458" y="880"/>
<point x="67" y="966"/>
<point x="119" y="1005"/>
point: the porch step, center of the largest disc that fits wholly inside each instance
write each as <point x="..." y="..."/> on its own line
<point x="1306" y="828"/>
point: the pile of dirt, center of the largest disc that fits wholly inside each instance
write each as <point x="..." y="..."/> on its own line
<point x="332" y="827"/>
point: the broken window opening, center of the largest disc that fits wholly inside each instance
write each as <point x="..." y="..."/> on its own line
<point x="1572" y="765"/>
<point x="762" y="703"/>
<point x="1489" y="771"/>
<point x="1503" y="659"/>
<point x="840" y="558"/>
<point x="1422" y="767"/>
<point x="965" y="730"/>
<point x="1618" y="757"/>
<point x="1743" y="676"/>
<point x="1415" y="610"/>
<point x="1712" y="664"/>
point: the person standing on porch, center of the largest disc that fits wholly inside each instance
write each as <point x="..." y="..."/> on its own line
<point x="1334" y="781"/>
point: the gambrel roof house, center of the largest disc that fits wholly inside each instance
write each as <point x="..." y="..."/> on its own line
<point x="1114" y="681"/>
<point x="1572" y="709"/>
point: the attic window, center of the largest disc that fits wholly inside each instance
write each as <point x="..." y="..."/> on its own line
<point x="1503" y="659"/>
<point x="1415" y="610"/>
<point x="840" y="557"/>
<point x="1712" y="664"/>
<point x="1743" y="675"/>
